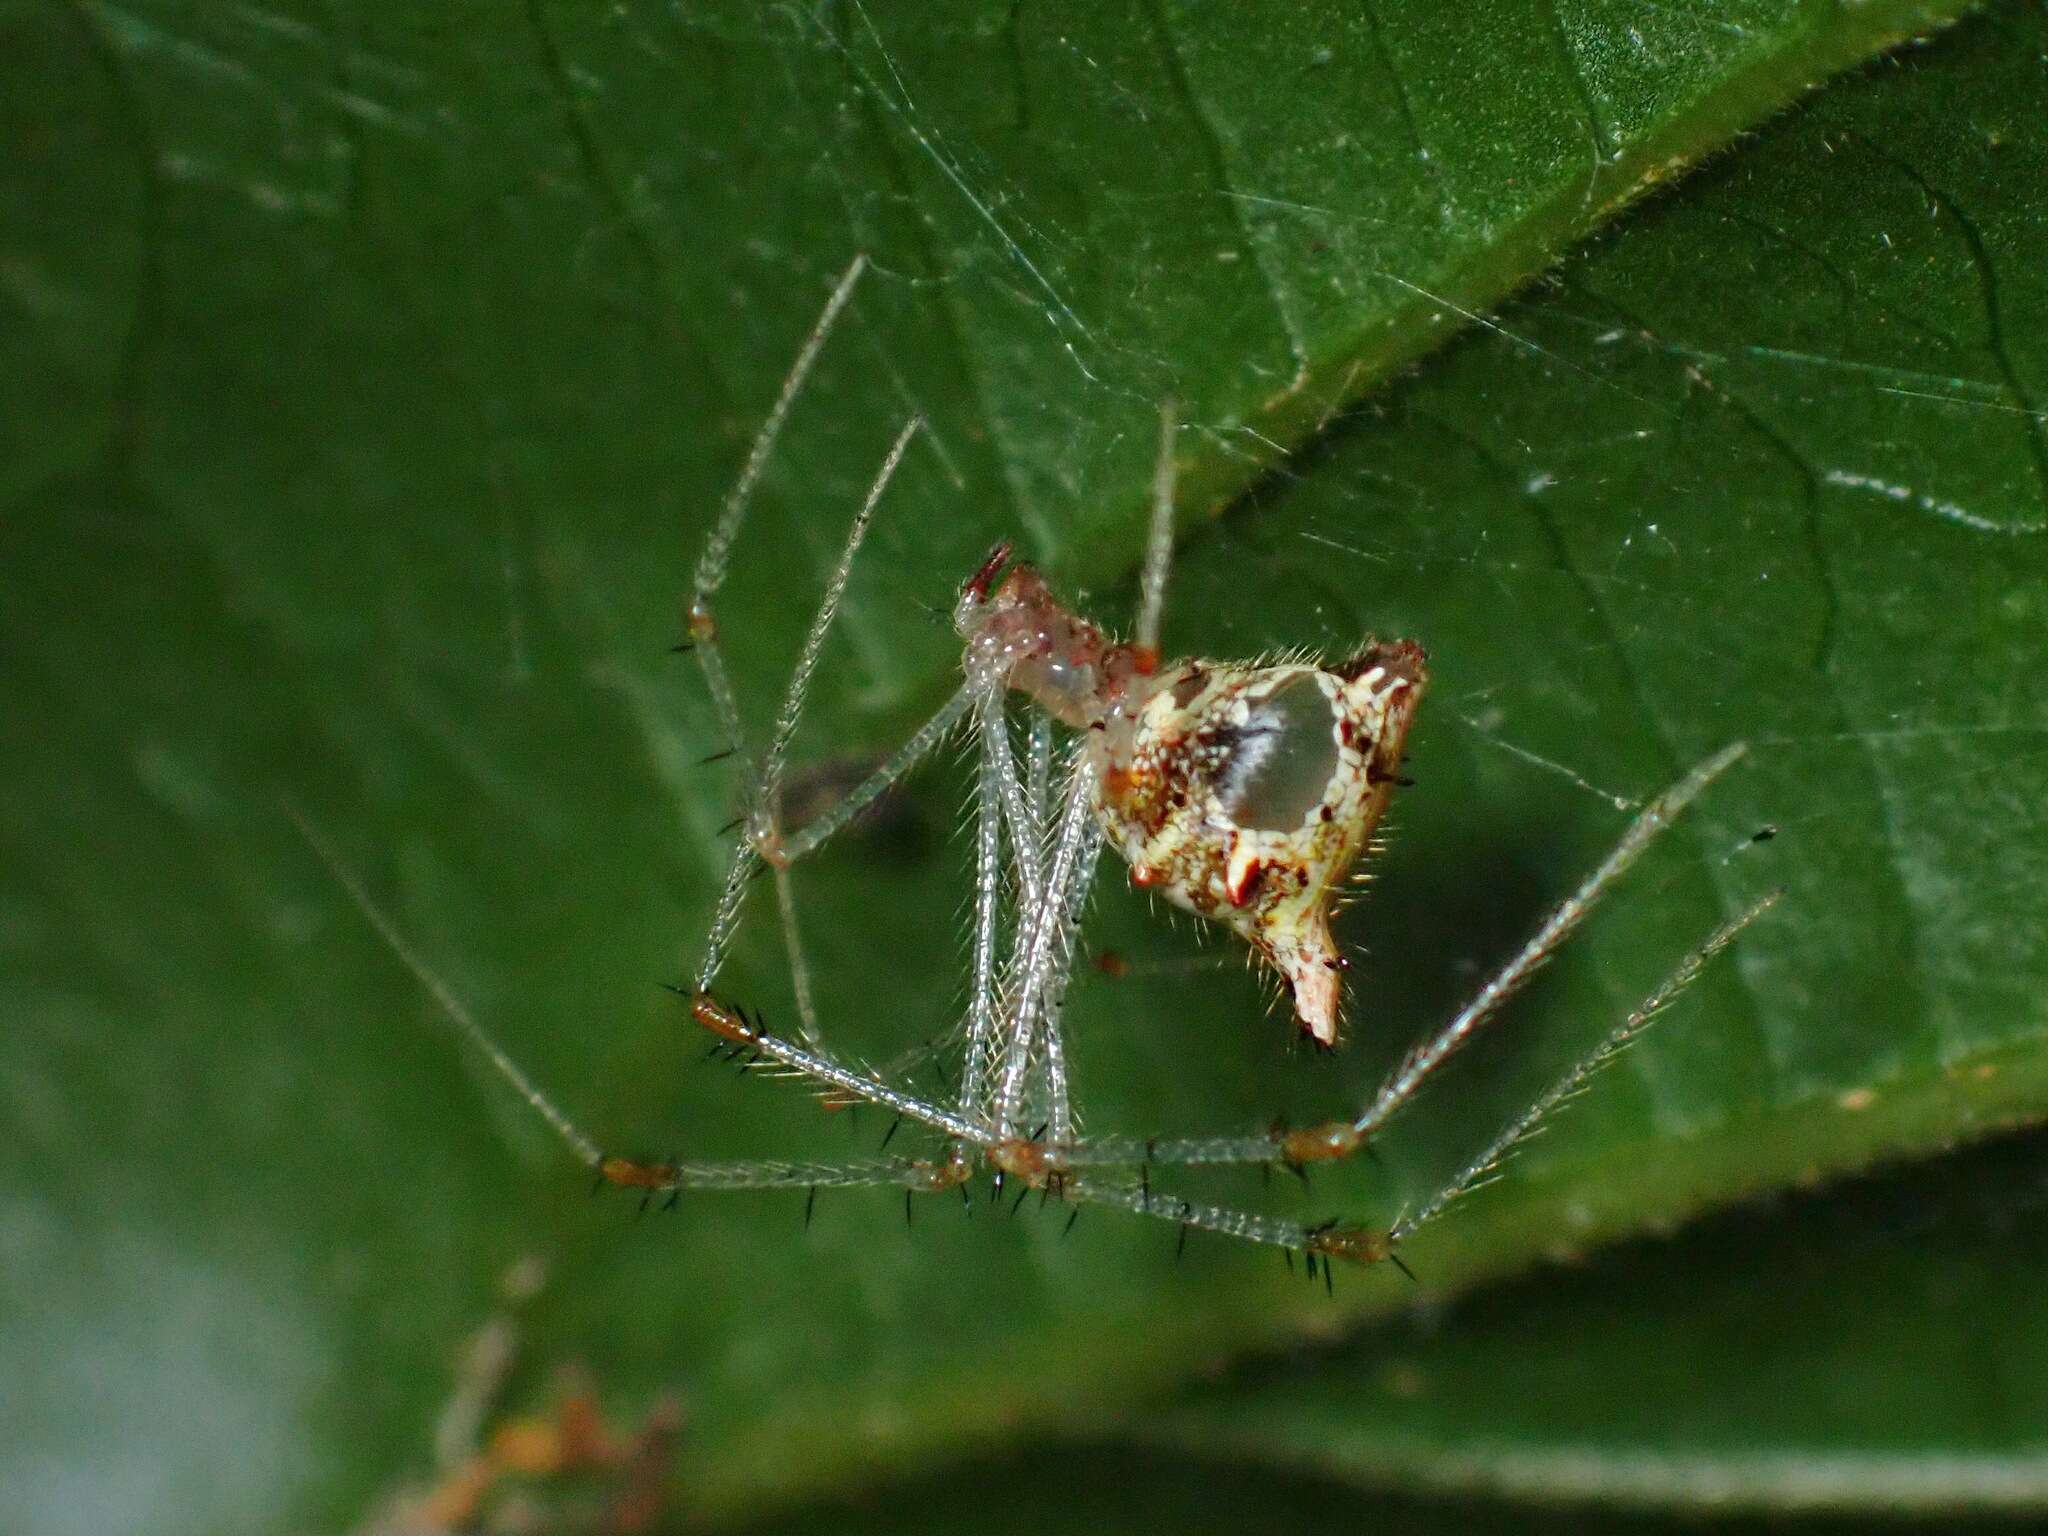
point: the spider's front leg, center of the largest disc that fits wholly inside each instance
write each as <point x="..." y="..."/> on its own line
<point x="716" y="560"/>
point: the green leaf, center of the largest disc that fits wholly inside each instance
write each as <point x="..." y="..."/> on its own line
<point x="1877" y="1348"/>
<point x="374" y="380"/>
<point x="1901" y="1307"/>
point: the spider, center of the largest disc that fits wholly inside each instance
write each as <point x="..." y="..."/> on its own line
<point x="1243" y="792"/>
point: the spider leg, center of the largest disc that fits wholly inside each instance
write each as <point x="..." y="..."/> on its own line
<point x="1159" y="539"/>
<point x="799" y="967"/>
<point x="1043" y="953"/>
<point x="983" y="1014"/>
<point x="1059" y="1107"/>
<point x="1364" y="1244"/>
<point x="1483" y="1168"/>
<point x="712" y="567"/>
<point x="1024" y="807"/>
<point x="656" y="1177"/>
<point x="1038" y="769"/>
<point x="716" y="560"/>
<point x="846" y="1082"/>
<point x="1407" y="1079"/>
<point x="451" y="1006"/>
<point x="762" y="836"/>
<point x="776" y="761"/>
<point x="807" y="838"/>
<point x="1337" y="1139"/>
<point x="1171" y="1151"/>
<point x="1226" y="1221"/>
<point x="726" y="1022"/>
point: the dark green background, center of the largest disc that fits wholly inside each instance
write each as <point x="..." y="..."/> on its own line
<point x="369" y="380"/>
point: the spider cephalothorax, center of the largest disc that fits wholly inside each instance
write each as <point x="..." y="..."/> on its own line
<point x="1244" y="793"/>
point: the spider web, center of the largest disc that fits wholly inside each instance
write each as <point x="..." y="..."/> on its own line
<point x="381" y="379"/>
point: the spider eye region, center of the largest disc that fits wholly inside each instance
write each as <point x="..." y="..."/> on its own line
<point x="1247" y="794"/>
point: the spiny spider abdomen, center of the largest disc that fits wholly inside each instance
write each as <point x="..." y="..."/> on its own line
<point x="1244" y="793"/>
<point x="1250" y="792"/>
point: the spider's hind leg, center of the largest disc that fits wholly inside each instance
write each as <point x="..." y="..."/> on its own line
<point x="1365" y="1243"/>
<point x="1420" y="1064"/>
<point x="1483" y="1168"/>
<point x="1334" y="1140"/>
